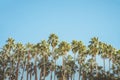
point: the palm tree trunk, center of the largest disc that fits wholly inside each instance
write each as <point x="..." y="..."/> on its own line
<point x="27" y="66"/>
<point x="44" y="68"/>
<point x="51" y="66"/>
<point x="11" y="70"/>
<point x="27" y="72"/>
<point x="3" y="72"/>
<point x="109" y="65"/>
<point x="53" y="62"/>
<point x="23" y="72"/>
<point x="50" y="75"/>
<point x="55" y="70"/>
<point x="35" y="69"/>
<point x="31" y="72"/>
<point x="96" y="68"/>
<point x="71" y="76"/>
<point x="83" y="76"/>
<point x="91" y="68"/>
<point x="79" y="71"/>
<point x="63" y="74"/>
<point x="40" y="75"/>
<point x="16" y="78"/>
<point x="104" y="66"/>
<point x="30" y="76"/>
<point x="119" y="74"/>
<point x="67" y="76"/>
<point x="74" y="73"/>
<point x="91" y="71"/>
<point x="104" y="63"/>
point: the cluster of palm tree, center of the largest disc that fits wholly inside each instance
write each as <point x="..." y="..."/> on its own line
<point x="54" y="59"/>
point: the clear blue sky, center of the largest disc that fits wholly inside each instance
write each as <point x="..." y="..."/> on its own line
<point x="32" y="21"/>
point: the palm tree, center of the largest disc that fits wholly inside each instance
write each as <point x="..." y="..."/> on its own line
<point x="23" y="65"/>
<point x="29" y="49"/>
<point x="31" y="70"/>
<point x="7" y="52"/>
<point x="10" y="44"/>
<point x="41" y="67"/>
<point x="56" y="57"/>
<point x="115" y="65"/>
<point x="74" y="46"/>
<point x="3" y="65"/>
<point x="34" y="54"/>
<point x="110" y="52"/>
<point x="64" y="47"/>
<point x="81" y="56"/>
<point x="53" y="41"/>
<point x="45" y="52"/>
<point x="103" y="52"/>
<point x="19" y="52"/>
<point x="70" y="67"/>
<point x="118" y="63"/>
<point x="104" y="56"/>
<point x="94" y="50"/>
<point x="59" y="72"/>
<point x="16" y="58"/>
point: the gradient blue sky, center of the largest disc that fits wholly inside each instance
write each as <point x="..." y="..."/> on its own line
<point x="32" y="21"/>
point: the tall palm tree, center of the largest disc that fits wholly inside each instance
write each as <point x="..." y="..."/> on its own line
<point x="45" y="52"/>
<point x="41" y="67"/>
<point x="110" y="52"/>
<point x="53" y="41"/>
<point x="59" y="72"/>
<point x="103" y="52"/>
<point x="81" y="56"/>
<point x="104" y="55"/>
<point x="115" y="65"/>
<point x="94" y="50"/>
<point x="64" y="47"/>
<point x="70" y="67"/>
<point x="56" y="57"/>
<point x="23" y="65"/>
<point x="35" y="56"/>
<point x="8" y="51"/>
<point x="118" y="63"/>
<point x="19" y="52"/>
<point x="3" y="65"/>
<point x="29" y="49"/>
<point x="74" y="46"/>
